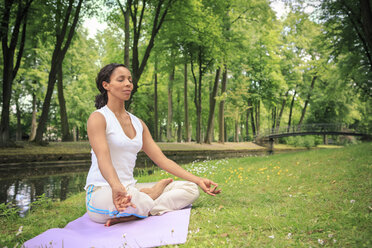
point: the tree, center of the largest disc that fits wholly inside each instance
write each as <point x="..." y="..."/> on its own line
<point x="11" y="29"/>
<point x="66" y="22"/>
<point x="349" y="29"/>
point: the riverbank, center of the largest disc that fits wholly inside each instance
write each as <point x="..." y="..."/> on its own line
<point x="79" y="151"/>
<point x="308" y="198"/>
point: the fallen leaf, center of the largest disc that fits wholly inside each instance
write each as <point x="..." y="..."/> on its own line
<point x="224" y="235"/>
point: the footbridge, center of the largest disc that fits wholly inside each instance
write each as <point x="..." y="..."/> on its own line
<point x="323" y="129"/>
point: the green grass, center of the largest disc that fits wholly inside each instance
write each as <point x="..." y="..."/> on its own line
<point x="316" y="198"/>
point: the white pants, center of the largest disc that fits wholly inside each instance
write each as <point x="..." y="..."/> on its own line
<point x="176" y="195"/>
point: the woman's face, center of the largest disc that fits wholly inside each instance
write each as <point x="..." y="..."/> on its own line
<point x="120" y="85"/>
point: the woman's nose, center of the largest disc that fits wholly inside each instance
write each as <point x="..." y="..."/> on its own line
<point x="127" y="82"/>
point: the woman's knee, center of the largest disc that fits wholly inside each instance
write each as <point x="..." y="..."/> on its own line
<point x="192" y="189"/>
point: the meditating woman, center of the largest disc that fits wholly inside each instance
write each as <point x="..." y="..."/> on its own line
<point x="116" y="136"/>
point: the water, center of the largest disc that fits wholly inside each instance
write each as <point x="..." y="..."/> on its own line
<point x="22" y="191"/>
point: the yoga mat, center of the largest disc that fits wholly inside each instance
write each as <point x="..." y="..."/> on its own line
<point x="167" y="229"/>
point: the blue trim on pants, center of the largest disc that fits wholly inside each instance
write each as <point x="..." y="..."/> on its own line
<point x="113" y="214"/>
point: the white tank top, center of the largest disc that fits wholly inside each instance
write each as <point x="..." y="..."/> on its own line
<point x="123" y="150"/>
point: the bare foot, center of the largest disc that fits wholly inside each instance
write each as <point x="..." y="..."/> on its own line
<point x="157" y="189"/>
<point x="114" y="221"/>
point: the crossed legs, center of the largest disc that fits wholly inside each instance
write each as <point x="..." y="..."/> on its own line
<point x="154" y="192"/>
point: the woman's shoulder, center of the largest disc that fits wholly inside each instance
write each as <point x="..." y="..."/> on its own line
<point x="96" y="119"/>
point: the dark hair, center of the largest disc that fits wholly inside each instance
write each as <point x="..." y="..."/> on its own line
<point x="104" y="75"/>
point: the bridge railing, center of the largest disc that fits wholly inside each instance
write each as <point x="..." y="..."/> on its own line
<point x="316" y="127"/>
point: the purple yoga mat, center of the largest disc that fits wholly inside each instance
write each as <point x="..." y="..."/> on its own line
<point x="167" y="229"/>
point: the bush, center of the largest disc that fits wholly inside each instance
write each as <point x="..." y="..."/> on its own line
<point x="9" y="211"/>
<point x="302" y="141"/>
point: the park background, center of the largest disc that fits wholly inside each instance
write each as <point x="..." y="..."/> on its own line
<point x="204" y="72"/>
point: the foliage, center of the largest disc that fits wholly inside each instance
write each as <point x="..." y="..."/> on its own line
<point x="8" y="211"/>
<point x="269" y="62"/>
<point x="303" y="141"/>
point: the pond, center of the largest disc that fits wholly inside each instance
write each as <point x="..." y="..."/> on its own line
<point x="22" y="191"/>
<point x="21" y="188"/>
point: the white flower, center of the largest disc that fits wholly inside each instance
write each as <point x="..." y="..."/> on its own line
<point x="19" y="230"/>
<point x="289" y="235"/>
<point x="352" y="201"/>
<point x="321" y="241"/>
<point x="272" y="237"/>
<point x="334" y="240"/>
<point x="290" y="195"/>
<point x="330" y="235"/>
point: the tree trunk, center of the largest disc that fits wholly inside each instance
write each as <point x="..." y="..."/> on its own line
<point x="9" y="69"/>
<point x="252" y="108"/>
<point x="257" y="113"/>
<point x="170" y="105"/>
<point x="197" y="101"/>
<point x="126" y="16"/>
<point x="74" y="134"/>
<point x="247" y="125"/>
<point x="221" y="113"/>
<point x="290" y="111"/>
<point x="65" y="130"/>
<point x="19" y="126"/>
<point x="212" y="101"/>
<point x="236" y="136"/>
<point x="186" y="105"/>
<point x="156" y="128"/>
<point x="127" y="38"/>
<point x="57" y="59"/>
<point x="7" y="89"/>
<point x="279" y="118"/>
<point x="199" y="109"/>
<point x="307" y="102"/>
<point x="178" y="116"/>
<point x="33" y="119"/>
<point x="273" y="117"/>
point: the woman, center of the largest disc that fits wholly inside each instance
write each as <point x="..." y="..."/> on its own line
<point x="116" y="136"/>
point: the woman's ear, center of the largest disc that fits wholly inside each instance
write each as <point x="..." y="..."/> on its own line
<point x="105" y="85"/>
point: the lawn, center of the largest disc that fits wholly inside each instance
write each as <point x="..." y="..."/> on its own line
<point x="305" y="199"/>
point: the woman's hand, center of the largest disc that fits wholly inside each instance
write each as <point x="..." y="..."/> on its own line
<point x="121" y="198"/>
<point x="208" y="186"/>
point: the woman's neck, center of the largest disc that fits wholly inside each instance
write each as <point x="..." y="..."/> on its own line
<point x="117" y="107"/>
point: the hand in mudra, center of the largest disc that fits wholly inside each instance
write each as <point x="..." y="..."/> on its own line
<point x="121" y="199"/>
<point x="208" y="186"/>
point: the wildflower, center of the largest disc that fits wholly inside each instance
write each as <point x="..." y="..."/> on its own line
<point x="124" y="235"/>
<point x="321" y="241"/>
<point x="19" y="230"/>
<point x="352" y="201"/>
<point x="272" y="237"/>
<point x="289" y="235"/>
<point x="334" y="240"/>
<point x="290" y="195"/>
<point x="330" y="235"/>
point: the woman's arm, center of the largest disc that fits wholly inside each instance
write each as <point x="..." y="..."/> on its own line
<point x="156" y="155"/>
<point x="96" y="128"/>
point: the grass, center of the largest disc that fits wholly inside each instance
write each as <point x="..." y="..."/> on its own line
<point x="314" y="198"/>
